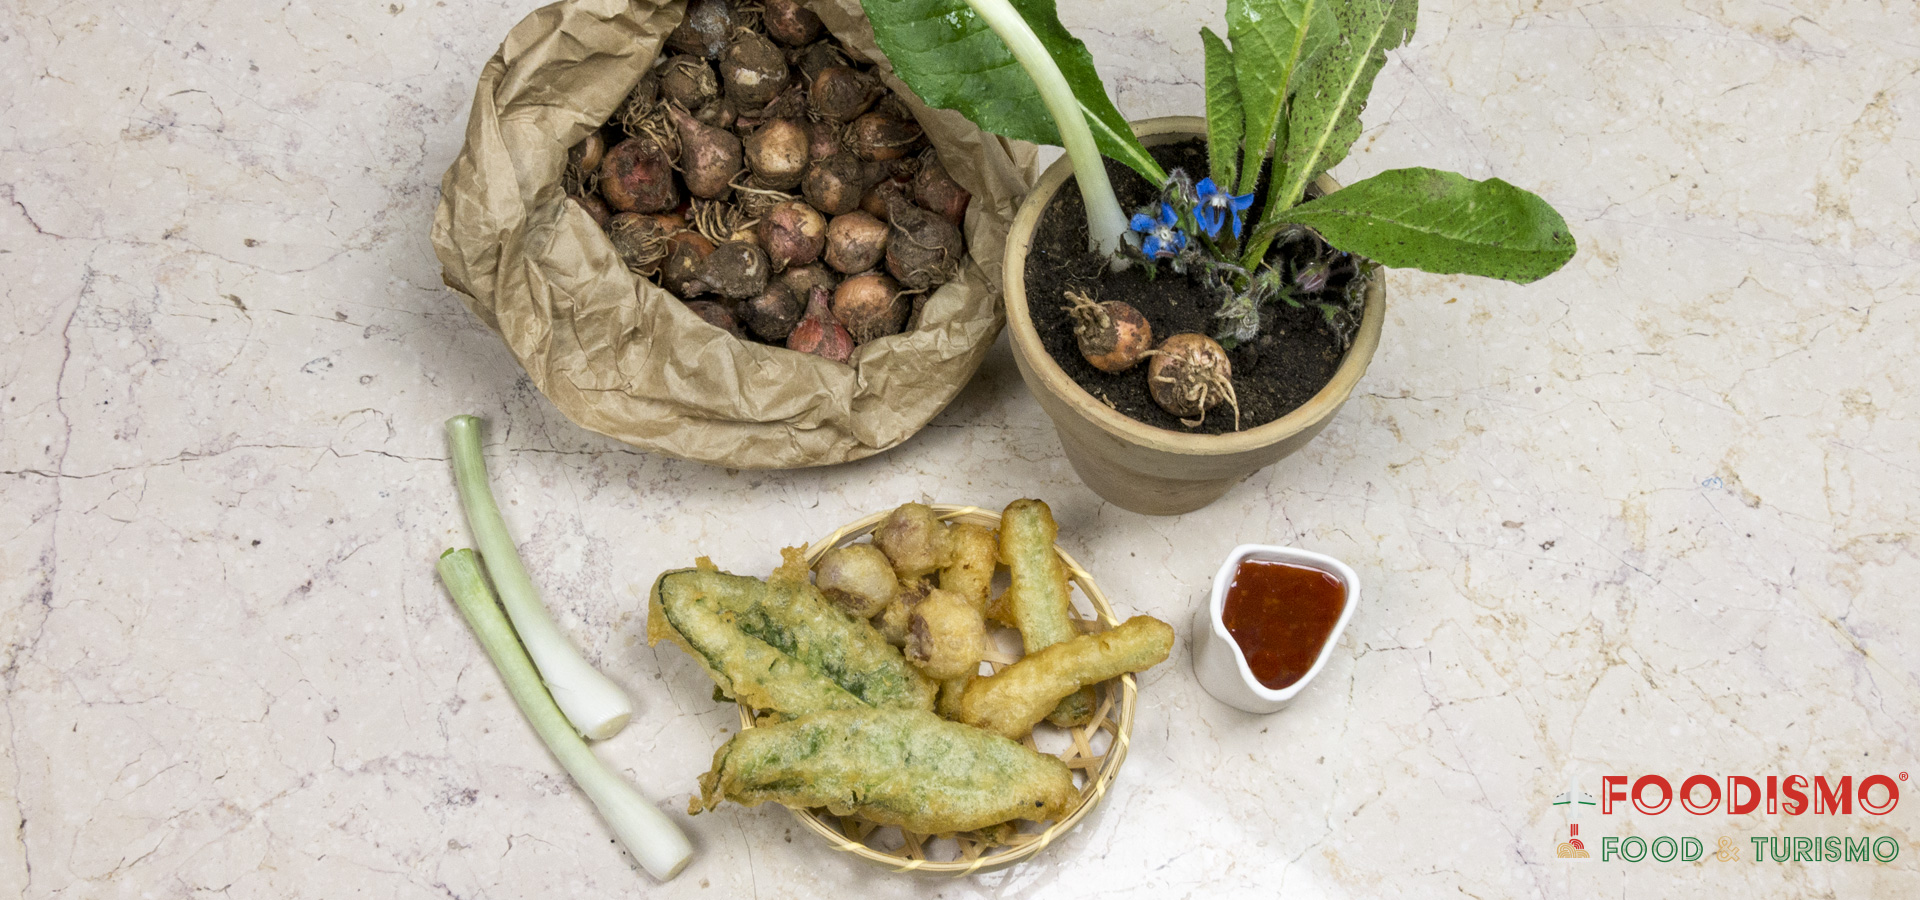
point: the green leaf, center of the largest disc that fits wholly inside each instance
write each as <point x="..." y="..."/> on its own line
<point x="1272" y="40"/>
<point x="1226" y="121"/>
<point x="943" y="50"/>
<point x="1325" y="118"/>
<point x="1443" y="223"/>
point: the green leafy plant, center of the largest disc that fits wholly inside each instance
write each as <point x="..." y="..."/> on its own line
<point x="1285" y="89"/>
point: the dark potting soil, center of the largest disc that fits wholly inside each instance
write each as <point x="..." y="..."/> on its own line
<point x="1292" y="359"/>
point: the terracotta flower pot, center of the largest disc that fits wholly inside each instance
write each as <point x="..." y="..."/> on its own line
<point x="1135" y="465"/>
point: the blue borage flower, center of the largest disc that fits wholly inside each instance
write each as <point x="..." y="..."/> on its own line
<point x="1216" y="207"/>
<point x="1162" y="239"/>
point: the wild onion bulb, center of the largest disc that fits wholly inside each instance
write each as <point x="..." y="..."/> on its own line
<point x="1189" y="375"/>
<point x="596" y="706"/>
<point x="655" y="842"/>
<point x="1113" y="336"/>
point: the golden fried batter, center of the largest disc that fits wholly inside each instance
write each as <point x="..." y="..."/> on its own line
<point x="1010" y="702"/>
<point x="891" y="767"/>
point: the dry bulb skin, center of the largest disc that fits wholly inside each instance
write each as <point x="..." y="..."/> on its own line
<point x="736" y="270"/>
<point x="717" y="315"/>
<point x="871" y="307"/>
<point x="1188" y="375"/>
<point x="689" y="82"/>
<point x="595" y="207"/>
<point x="687" y="252"/>
<point x="1113" y="336"/>
<point x="637" y="176"/>
<point x="934" y="189"/>
<point x="840" y="94"/>
<point x="752" y="70"/>
<point x="772" y="315"/>
<point x="793" y="234"/>
<point x="761" y="170"/>
<point x="640" y="240"/>
<point x="823" y="140"/>
<point x="819" y="333"/>
<point x="705" y="29"/>
<point x="856" y="242"/>
<point x="818" y="57"/>
<point x="710" y="157"/>
<point x="791" y="104"/>
<point x="640" y="103"/>
<point x="790" y="23"/>
<point x="801" y="280"/>
<point x="879" y="135"/>
<point x="777" y="152"/>
<point x="834" y="185"/>
<point x="925" y="249"/>
<point x="586" y="155"/>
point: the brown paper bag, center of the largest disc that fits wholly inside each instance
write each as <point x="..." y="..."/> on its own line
<point x="621" y="356"/>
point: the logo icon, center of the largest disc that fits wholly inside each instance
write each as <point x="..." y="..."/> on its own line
<point x="1571" y="848"/>
<point x="1573" y="802"/>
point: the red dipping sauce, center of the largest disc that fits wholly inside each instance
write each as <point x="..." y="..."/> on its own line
<point x="1281" y="615"/>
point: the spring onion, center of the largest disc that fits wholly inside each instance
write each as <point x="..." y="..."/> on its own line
<point x="1106" y="223"/>
<point x="659" y="845"/>
<point x="596" y="706"/>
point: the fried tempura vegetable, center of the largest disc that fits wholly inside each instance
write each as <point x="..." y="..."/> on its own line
<point x="1074" y="709"/>
<point x="894" y="620"/>
<point x="743" y="667"/>
<point x="1036" y="602"/>
<point x="1010" y="702"/>
<point x="915" y="540"/>
<point x="945" y="636"/>
<point x="948" y="703"/>
<point x="858" y="577"/>
<point x="891" y="767"/>
<point x="969" y="570"/>
<point x="773" y="644"/>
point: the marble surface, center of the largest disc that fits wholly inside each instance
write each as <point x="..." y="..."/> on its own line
<point x="1652" y="515"/>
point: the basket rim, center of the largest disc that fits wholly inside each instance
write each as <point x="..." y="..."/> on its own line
<point x="1097" y="785"/>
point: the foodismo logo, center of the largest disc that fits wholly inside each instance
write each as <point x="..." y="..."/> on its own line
<point x="1703" y="796"/>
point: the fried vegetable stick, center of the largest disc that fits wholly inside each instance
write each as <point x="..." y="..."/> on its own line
<point x="724" y="619"/>
<point x="892" y="767"/>
<point x="970" y="571"/>
<point x="948" y="703"/>
<point x="1037" y="599"/>
<point x="1010" y="702"/>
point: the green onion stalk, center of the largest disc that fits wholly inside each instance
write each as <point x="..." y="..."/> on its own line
<point x="1106" y="223"/>
<point x="596" y="706"/>
<point x="655" y="842"/>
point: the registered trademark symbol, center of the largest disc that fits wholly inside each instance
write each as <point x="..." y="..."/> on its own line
<point x="1903" y="776"/>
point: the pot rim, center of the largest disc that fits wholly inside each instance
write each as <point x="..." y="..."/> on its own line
<point x="1322" y="405"/>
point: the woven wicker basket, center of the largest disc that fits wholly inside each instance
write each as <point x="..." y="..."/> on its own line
<point x="1094" y="751"/>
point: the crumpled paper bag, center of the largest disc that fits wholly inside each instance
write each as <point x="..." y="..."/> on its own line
<point x="623" y="357"/>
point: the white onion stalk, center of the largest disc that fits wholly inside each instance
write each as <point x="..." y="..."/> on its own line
<point x="596" y="706"/>
<point x="1106" y="223"/>
<point x="659" y="845"/>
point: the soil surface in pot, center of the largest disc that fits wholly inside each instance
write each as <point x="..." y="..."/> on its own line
<point x="1292" y="359"/>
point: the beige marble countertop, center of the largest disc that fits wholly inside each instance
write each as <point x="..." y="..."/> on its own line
<point x="1652" y="515"/>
